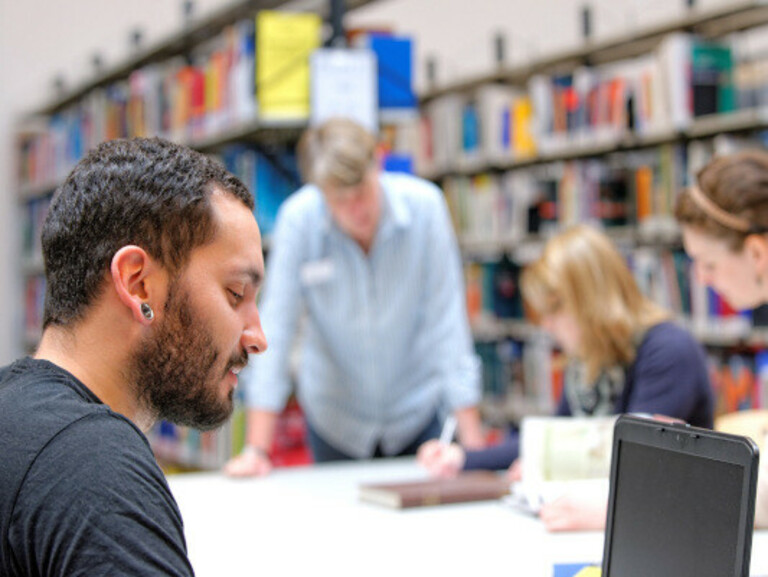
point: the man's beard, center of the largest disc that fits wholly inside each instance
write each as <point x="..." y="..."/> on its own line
<point x="177" y="372"/>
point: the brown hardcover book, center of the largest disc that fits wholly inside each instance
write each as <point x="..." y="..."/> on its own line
<point x="470" y="486"/>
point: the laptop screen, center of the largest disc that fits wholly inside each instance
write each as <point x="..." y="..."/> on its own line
<point x="660" y="526"/>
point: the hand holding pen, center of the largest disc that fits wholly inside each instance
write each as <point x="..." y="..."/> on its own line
<point x="441" y="457"/>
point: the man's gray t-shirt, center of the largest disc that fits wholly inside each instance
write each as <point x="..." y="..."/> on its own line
<point x="80" y="491"/>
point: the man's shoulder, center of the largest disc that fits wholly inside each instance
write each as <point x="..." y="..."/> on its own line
<point x="47" y="419"/>
<point x="100" y="459"/>
<point x="69" y="462"/>
<point x="93" y="485"/>
<point x="113" y="431"/>
<point x="38" y="399"/>
<point x="100" y="445"/>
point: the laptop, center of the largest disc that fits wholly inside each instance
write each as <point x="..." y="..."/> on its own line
<point x="681" y="501"/>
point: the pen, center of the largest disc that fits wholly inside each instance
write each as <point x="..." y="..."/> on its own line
<point x="449" y="428"/>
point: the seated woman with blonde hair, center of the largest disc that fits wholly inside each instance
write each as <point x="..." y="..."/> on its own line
<point x="624" y="355"/>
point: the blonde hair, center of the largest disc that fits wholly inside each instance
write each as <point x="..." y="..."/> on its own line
<point x="581" y="273"/>
<point x="338" y="152"/>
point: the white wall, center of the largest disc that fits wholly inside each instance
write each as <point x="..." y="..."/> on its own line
<point x="42" y="38"/>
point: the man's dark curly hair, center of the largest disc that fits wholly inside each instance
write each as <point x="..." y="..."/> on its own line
<point x="143" y="191"/>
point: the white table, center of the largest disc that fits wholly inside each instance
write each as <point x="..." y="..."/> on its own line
<point x="309" y="521"/>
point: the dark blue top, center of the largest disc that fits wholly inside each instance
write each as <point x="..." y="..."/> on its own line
<point x="669" y="377"/>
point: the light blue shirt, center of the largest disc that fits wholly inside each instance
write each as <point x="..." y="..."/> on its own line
<point x="385" y="338"/>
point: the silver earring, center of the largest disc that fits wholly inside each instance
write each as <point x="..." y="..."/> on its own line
<point x="147" y="311"/>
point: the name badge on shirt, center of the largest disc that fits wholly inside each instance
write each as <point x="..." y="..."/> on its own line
<point x="317" y="272"/>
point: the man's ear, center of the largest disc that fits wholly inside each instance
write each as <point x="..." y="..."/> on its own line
<point x="133" y="276"/>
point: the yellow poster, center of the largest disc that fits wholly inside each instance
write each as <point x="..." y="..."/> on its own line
<point x="284" y="42"/>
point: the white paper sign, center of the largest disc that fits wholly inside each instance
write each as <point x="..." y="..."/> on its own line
<point x="343" y="83"/>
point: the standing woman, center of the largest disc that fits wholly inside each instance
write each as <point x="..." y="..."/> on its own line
<point x="724" y="219"/>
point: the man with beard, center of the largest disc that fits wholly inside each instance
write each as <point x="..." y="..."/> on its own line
<point x="153" y="261"/>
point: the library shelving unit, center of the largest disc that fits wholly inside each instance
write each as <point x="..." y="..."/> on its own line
<point x="198" y="86"/>
<point x="605" y="133"/>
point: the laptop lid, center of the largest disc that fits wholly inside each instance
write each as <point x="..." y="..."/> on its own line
<point x="681" y="502"/>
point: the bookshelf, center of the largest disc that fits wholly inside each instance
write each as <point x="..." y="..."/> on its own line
<point x="197" y="86"/>
<point x="605" y="133"/>
<point x="737" y="17"/>
<point x="193" y="34"/>
<point x="701" y="128"/>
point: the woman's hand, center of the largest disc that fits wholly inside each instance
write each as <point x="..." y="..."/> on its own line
<point x="441" y="460"/>
<point x="575" y="512"/>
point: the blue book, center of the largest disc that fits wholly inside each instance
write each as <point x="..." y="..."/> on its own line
<point x="398" y="163"/>
<point x="470" y="128"/>
<point x="394" y="56"/>
<point x="713" y="300"/>
<point x="276" y="179"/>
<point x="506" y="129"/>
